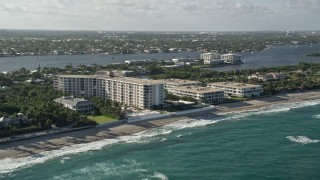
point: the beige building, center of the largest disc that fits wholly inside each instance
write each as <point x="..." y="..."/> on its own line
<point x="201" y="94"/>
<point x="130" y="91"/>
<point x="238" y="89"/>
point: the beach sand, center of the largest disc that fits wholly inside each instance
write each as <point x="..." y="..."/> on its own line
<point x="29" y="147"/>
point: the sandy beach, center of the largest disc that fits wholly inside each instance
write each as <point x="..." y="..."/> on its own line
<point x="37" y="145"/>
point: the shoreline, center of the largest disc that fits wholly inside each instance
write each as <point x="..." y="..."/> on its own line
<point x="34" y="146"/>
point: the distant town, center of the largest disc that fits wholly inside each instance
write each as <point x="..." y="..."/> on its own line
<point x="39" y="43"/>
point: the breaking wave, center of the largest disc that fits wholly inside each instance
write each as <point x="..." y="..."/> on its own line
<point x="150" y="135"/>
<point x="140" y="137"/>
<point x="302" y="139"/>
<point x="276" y="108"/>
<point x="160" y="176"/>
<point x="316" y="116"/>
<point x="109" y="170"/>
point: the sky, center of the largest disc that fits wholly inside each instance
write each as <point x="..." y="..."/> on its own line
<point x="161" y="15"/>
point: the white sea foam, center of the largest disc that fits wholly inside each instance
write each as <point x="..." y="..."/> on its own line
<point x="146" y="136"/>
<point x="126" y="168"/>
<point x="160" y="176"/>
<point x="163" y="139"/>
<point x="302" y="139"/>
<point x="63" y="160"/>
<point x="140" y="137"/>
<point x="190" y="123"/>
<point x="277" y="108"/>
<point x="316" y="116"/>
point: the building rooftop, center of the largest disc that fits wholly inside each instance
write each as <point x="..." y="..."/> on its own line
<point x="211" y="53"/>
<point x="178" y="81"/>
<point x="70" y="100"/>
<point x="194" y="89"/>
<point x="120" y="79"/>
<point x="79" y="76"/>
<point x="135" y="80"/>
<point x="230" y="54"/>
<point x="234" y="84"/>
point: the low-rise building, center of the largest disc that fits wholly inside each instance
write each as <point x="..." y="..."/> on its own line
<point x="213" y="62"/>
<point x="200" y="94"/>
<point x="136" y="62"/>
<point x="238" y="89"/>
<point x="77" y="104"/>
<point x="171" y="83"/>
<point x="181" y="60"/>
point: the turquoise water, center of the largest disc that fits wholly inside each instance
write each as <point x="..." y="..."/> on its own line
<point x="279" y="142"/>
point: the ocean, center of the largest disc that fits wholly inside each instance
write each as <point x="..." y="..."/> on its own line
<point x="277" y="142"/>
<point x="276" y="56"/>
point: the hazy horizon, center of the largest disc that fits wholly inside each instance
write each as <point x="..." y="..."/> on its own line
<point x="160" y="15"/>
<point x="163" y="31"/>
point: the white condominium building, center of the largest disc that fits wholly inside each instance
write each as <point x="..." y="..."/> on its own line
<point x="135" y="92"/>
<point x="209" y="56"/>
<point x="130" y="91"/>
<point x="81" y="85"/>
<point x="231" y="58"/>
<point x="238" y="89"/>
<point x="201" y="94"/>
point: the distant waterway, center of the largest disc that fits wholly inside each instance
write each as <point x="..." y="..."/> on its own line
<point x="15" y="63"/>
<point x="275" y="56"/>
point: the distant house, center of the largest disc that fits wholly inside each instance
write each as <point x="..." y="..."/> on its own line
<point x="77" y="104"/>
<point x="22" y="119"/>
<point x="5" y="121"/>
<point x="38" y="81"/>
<point x="19" y="120"/>
<point x="181" y="61"/>
<point x="3" y="88"/>
<point x="268" y="76"/>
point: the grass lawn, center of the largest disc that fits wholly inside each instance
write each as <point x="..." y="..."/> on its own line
<point x="102" y="119"/>
<point x="237" y="98"/>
